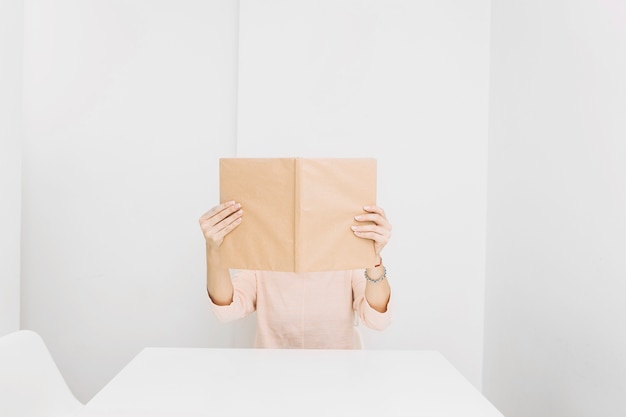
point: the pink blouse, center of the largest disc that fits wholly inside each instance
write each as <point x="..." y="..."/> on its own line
<point x="313" y="310"/>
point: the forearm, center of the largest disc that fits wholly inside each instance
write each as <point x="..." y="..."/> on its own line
<point x="378" y="293"/>
<point x="218" y="282"/>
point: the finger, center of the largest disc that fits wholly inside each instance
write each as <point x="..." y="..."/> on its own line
<point x="377" y="238"/>
<point x="214" y="229"/>
<point x="375" y="209"/>
<point x="229" y="226"/>
<point x="217" y="209"/>
<point x="215" y="234"/>
<point x="230" y="222"/>
<point x="219" y="213"/>
<point x="370" y="230"/>
<point x="375" y="218"/>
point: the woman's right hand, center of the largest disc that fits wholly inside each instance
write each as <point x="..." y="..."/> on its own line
<point x="219" y="221"/>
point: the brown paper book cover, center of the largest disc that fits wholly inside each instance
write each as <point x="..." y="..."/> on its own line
<point x="297" y="213"/>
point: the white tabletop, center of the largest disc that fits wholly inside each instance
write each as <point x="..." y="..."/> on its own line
<point x="189" y="382"/>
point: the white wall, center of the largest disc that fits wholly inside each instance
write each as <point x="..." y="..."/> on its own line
<point x="407" y="83"/>
<point x="555" y="311"/>
<point x="11" y="29"/>
<point x="128" y="106"/>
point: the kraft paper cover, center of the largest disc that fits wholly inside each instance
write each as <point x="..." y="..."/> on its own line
<point x="297" y="213"/>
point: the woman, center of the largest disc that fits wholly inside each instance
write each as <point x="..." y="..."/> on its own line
<point x="311" y="310"/>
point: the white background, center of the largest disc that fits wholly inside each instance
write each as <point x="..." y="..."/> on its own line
<point x="11" y="29"/>
<point x="556" y="255"/>
<point x="129" y="104"/>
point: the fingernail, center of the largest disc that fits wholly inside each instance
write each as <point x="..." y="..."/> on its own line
<point x="357" y="217"/>
<point x="353" y="227"/>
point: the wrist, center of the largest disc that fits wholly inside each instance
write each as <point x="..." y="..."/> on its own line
<point x="213" y="253"/>
<point x="377" y="276"/>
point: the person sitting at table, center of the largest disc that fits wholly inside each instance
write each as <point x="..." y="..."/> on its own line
<point x="311" y="310"/>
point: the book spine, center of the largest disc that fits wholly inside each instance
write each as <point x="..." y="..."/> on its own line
<point x="297" y="210"/>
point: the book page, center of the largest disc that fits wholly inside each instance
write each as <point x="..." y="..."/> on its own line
<point x="265" y="188"/>
<point x="331" y="192"/>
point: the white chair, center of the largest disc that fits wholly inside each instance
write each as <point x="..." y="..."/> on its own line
<point x="31" y="384"/>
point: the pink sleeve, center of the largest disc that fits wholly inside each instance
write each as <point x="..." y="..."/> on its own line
<point x="370" y="317"/>
<point x="244" y="298"/>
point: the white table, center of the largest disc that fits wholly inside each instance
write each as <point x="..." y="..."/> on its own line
<point x="186" y="382"/>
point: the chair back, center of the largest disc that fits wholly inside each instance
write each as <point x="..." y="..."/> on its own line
<point x="31" y="384"/>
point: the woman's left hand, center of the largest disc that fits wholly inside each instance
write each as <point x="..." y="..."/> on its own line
<point x="379" y="231"/>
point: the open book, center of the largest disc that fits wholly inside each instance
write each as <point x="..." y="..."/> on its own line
<point x="297" y="213"/>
